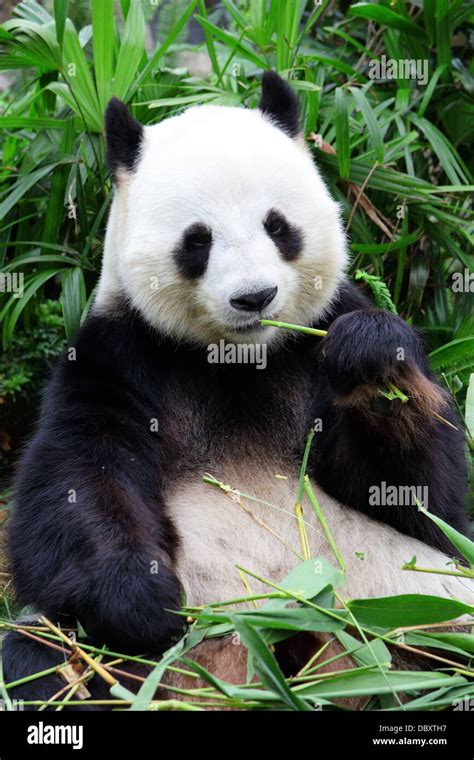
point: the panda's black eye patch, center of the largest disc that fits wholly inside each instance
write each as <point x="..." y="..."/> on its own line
<point x="287" y="238"/>
<point x="192" y="253"/>
<point x="197" y="236"/>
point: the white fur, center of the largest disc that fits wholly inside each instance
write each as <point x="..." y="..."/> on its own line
<point x="217" y="534"/>
<point x="226" y="168"/>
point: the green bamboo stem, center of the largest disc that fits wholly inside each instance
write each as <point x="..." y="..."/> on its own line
<point x="322" y="519"/>
<point x="298" y="328"/>
<point x="33" y="677"/>
<point x="398" y="393"/>
<point x="88" y="647"/>
<point x="238" y="600"/>
<point x="304" y="465"/>
<point x="298" y="506"/>
<point x="166" y="704"/>
<point x="3" y="690"/>
<point x="344" y="619"/>
<point x="456" y="573"/>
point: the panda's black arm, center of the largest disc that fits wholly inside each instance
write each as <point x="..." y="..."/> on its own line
<point x="89" y="535"/>
<point x="368" y="440"/>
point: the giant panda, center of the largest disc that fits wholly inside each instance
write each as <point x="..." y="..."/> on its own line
<point x="220" y="218"/>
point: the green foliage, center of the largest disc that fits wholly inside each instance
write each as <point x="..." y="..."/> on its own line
<point x="380" y="291"/>
<point x="30" y="352"/>
<point x="23" y="369"/>
<point x="304" y="600"/>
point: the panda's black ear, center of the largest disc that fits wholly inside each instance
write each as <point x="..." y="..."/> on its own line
<point x="280" y="102"/>
<point x="123" y="135"/>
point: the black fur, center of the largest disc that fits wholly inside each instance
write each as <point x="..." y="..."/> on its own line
<point x="287" y="238"/>
<point x="192" y="253"/>
<point x="280" y="103"/>
<point x="124" y="135"/>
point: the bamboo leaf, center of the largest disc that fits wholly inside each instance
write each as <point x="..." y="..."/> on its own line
<point x="267" y="667"/>
<point x="79" y="80"/>
<point x="387" y="17"/>
<point x="364" y="684"/>
<point x="232" y="42"/>
<point x="371" y="122"/>
<point x="11" y="313"/>
<point x="160" y="52"/>
<point x="131" y="51"/>
<point x="36" y="123"/>
<point x="103" y="46"/>
<point x="428" y="94"/>
<point x="342" y="133"/>
<point x="22" y="186"/>
<point x="452" y="355"/>
<point x="61" y="8"/>
<point x="462" y="543"/>
<point x="406" y="610"/>
<point x="73" y="299"/>
<point x="470" y="407"/>
<point x="55" y="210"/>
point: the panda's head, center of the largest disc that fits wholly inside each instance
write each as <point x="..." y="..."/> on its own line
<point x="220" y="218"/>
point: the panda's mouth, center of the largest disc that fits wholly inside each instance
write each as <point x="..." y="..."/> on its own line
<point x="248" y="327"/>
<point x="254" y="324"/>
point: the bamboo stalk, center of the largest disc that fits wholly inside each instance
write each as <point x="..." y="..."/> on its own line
<point x="107" y="677"/>
<point x="322" y="519"/>
<point x="235" y="496"/>
<point x="298" y="328"/>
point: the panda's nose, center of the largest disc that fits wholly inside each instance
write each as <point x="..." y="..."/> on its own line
<point x="254" y="301"/>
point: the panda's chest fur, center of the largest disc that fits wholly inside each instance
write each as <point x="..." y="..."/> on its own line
<point x="211" y="418"/>
<point x="252" y="526"/>
<point x="248" y="435"/>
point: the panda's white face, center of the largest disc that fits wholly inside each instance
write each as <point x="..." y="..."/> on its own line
<point x="223" y="221"/>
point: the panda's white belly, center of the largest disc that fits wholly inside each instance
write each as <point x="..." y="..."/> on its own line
<point x="217" y="533"/>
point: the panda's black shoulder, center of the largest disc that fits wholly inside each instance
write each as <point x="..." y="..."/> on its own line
<point x="101" y="370"/>
<point x="117" y="361"/>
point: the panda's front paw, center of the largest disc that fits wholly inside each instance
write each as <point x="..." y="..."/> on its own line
<point x="367" y="347"/>
<point x="368" y="351"/>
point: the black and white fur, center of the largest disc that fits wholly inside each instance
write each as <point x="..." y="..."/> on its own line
<point x="212" y="207"/>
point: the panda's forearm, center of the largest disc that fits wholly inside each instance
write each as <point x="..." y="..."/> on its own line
<point x="401" y="414"/>
<point x="385" y="475"/>
<point x="98" y="543"/>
